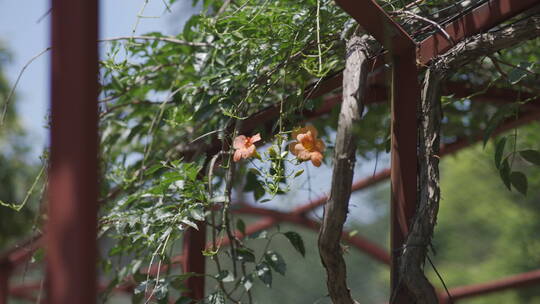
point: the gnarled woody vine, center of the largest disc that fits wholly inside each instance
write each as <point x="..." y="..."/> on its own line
<point x="336" y="209"/>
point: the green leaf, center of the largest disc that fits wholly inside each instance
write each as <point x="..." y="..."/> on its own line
<point x="263" y="234"/>
<point x="225" y="276"/>
<point x="153" y="169"/>
<point x="38" y="255"/>
<point x="197" y="213"/>
<point x="497" y="118"/>
<point x="299" y="172"/>
<point x="28" y="193"/>
<point x="519" y="73"/>
<point x="297" y="241"/>
<point x="519" y="181"/>
<point x="531" y="156"/>
<point x="140" y="288"/>
<point x="161" y="291"/>
<point x="241" y="226"/>
<point x="504" y="172"/>
<point x="264" y="273"/>
<point x="217" y="297"/>
<point x="244" y="255"/>
<point x="190" y="223"/>
<point x="247" y="282"/>
<point x="258" y="193"/>
<point x="276" y="261"/>
<point x="499" y="150"/>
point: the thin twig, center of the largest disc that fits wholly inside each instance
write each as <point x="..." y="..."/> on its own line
<point x="505" y="75"/>
<point x="44" y="15"/>
<point x="155" y="38"/>
<point x="135" y="102"/>
<point x="438" y="26"/>
<point x="441" y="279"/>
<point x="222" y="9"/>
<point x="493" y="58"/>
<point x="17" y="82"/>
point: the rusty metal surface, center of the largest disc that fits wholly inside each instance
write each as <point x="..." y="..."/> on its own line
<point x="71" y="248"/>
<point x="480" y="19"/>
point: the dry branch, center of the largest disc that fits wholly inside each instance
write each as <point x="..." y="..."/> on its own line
<point x="336" y="209"/>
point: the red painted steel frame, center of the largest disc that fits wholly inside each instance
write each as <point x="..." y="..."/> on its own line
<point x="518" y="280"/>
<point x="364" y="245"/>
<point x="5" y="272"/>
<point x="379" y="24"/>
<point x="480" y="19"/>
<point x="405" y="99"/>
<point x="73" y="174"/>
<point x="194" y="261"/>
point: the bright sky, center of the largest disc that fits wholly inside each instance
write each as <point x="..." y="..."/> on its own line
<point x="25" y="35"/>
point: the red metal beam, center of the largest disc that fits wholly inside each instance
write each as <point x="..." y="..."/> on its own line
<point x="515" y="281"/>
<point x="73" y="191"/>
<point x="194" y="261"/>
<point x="362" y="244"/>
<point x="378" y="24"/>
<point x="25" y="292"/>
<point x="22" y="252"/>
<point x="405" y="99"/>
<point x="5" y="272"/>
<point x="480" y="19"/>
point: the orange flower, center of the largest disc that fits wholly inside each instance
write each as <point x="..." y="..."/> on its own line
<point x="245" y="146"/>
<point x="308" y="146"/>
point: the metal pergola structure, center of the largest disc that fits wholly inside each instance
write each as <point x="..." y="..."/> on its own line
<point x="70" y="233"/>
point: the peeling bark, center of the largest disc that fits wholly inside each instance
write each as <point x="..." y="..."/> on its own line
<point x="336" y="209"/>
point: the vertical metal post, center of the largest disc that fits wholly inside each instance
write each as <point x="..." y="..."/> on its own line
<point x="406" y="94"/>
<point x="194" y="261"/>
<point x="73" y="173"/>
<point x="5" y="272"/>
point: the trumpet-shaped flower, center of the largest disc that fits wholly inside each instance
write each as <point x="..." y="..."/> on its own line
<point x="308" y="146"/>
<point x="244" y="146"/>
